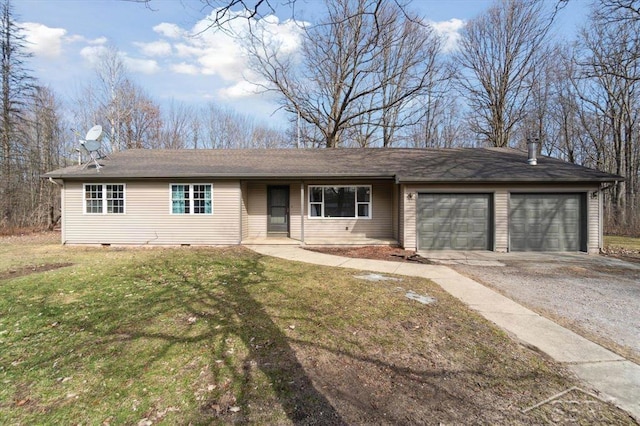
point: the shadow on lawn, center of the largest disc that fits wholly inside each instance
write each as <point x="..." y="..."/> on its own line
<point x="221" y="300"/>
<point x="239" y="314"/>
<point x="216" y="289"/>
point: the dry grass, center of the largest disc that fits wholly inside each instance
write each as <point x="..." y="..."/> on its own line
<point x="217" y="336"/>
<point x="625" y="248"/>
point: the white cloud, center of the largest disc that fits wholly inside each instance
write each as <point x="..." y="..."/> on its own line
<point x="92" y="55"/>
<point x="220" y="52"/>
<point x="42" y="40"/>
<point x="156" y="48"/>
<point x="98" y="41"/>
<point x="75" y="38"/>
<point x="169" y="30"/>
<point x="144" y="66"/>
<point x="242" y="89"/>
<point x="184" y="68"/>
<point x="450" y="32"/>
<point x="185" y="50"/>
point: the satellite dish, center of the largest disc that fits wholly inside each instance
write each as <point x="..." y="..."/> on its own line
<point x="94" y="134"/>
<point x="83" y="148"/>
<point x="91" y="145"/>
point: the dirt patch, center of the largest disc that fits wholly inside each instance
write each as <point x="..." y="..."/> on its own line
<point x="395" y="254"/>
<point x="31" y="269"/>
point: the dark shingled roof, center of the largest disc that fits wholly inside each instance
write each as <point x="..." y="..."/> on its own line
<point x="404" y="165"/>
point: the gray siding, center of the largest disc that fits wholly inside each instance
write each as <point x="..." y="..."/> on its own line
<point x="380" y="226"/>
<point x="244" y="212"/>
<point x="395" y="212"/>
<point x="257" y="210"/>
<point x="401" y="215"/>
<point x="295" y="229"/>
<point x="501" y="217"/>
<point x="147" y="218"/>
<point x="594" y="222"/>
<point x="410" y="198"/>
<point x="342" y="230"/>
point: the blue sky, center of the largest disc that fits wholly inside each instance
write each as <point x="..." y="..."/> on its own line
<point x="164" y="58"/>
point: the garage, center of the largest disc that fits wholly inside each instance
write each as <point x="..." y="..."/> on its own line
<point x="547" y="222"/>
<point x="454" y="222"/>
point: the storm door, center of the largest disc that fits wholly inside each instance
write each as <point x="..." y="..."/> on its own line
<point x="278" y="210"/>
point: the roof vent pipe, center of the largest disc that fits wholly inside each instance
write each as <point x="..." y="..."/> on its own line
<point x="532" y="148"/>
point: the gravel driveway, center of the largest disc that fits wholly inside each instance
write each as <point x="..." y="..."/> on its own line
<point x="594" y="293"/>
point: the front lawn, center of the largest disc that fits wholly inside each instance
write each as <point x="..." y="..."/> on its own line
<point x="216" y="336"/>
<point x="628" y="243"/>
<point x="626" y="248"/>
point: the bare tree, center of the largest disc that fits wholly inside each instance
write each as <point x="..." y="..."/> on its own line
<point x="176" y="129"/>
<point x="46" y="146"/>
<point x="227" y="128"/>
<point x="111" y="99"/>
<point x="129" y="117"/>
<point x="17" y="88"/>
<point x="441" y="124"/>
<point x="620" y="10"/>
<point x="408" y="62"/>
<point x="610" y="77"/>
<point x="498" y="55"/>
<point x="361" y="66"/>
<point x="142" y="123"/>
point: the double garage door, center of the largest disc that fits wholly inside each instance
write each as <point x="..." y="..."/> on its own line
<point x="537" y="222"/>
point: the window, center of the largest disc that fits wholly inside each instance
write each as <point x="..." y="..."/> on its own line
<point x="340" y="201"/>
<point x="191" y="199"/>
<point x="104" y="198"/>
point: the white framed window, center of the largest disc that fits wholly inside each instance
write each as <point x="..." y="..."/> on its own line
<point x="191" y="198"/>
<point x="104" y="198"/>
<point x="340" y="201"/>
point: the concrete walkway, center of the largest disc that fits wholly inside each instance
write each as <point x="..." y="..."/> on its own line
<point x="615" y="377"/>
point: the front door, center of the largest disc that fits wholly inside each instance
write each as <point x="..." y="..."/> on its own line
<point x="278" y="210"/>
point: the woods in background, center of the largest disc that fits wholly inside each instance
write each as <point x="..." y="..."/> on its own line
<point x="368" y="73"/>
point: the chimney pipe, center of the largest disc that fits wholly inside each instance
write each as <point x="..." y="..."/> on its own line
<point x="532" y="149"/>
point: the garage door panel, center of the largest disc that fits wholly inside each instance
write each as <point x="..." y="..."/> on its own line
<point x="546" y="222"/>
<point x="443" y="213"/>
<point x="479" y="228"/>
<point x="454" y="221"/>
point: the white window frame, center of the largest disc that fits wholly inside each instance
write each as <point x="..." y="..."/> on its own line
<point x="105" y="210"/>
<point x="191" y="199"/>
<point x="357" y="203"/>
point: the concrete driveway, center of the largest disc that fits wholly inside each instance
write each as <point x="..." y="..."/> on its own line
<point x="592" y="293"/>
